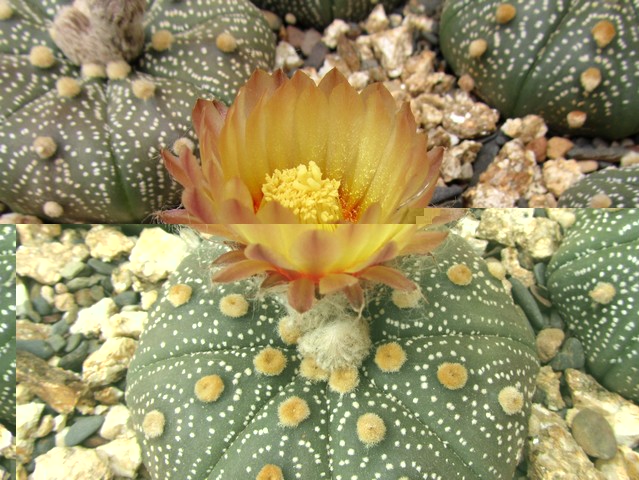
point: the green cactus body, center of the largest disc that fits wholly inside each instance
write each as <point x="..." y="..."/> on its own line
<point x="7" y="323"/>
<point x="320" y="13"/>
<point x="420" y="427"/>
<point x="98" y="159"/>
<point x="593" y="280"/>
<point x="611" y="187"/>
<point x="574" y="63"/>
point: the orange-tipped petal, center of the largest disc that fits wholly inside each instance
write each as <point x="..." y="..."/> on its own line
<point x="199" y="206"/>
<point x="273" y="279"/>
<point x="355" y="296"/>
<point x="388" y="276"/>
<point x="228" y="258"/>
<point x="316" y="251"/>
<point x="257" y="251"/>
<point x="335" y="282"/>
<point x="301" y="294"/>
<point x="240" y="271"/>
<point x="424" y="242"/>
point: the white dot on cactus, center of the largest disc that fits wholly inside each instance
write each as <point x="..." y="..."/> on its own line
<point x="511" y="400"/>
<point x="293" y="411"/>
<point x="179" y="294"/>
<point x="460" y="274"/>
<point x="477" y="48"/>
<point x="496" y="268"/>
<point x="68" y="87"/>
<point x="226" y="42"/>
<point x="153" y="424"/>
<point x="289" y="332"/>
<point x="270" y="361"/>
<point x="406" y="298"/>
<point x="600" y="200"/>
<point x="234" y="305"/>
<point x="390" y="357"/>
<point x="41" y="56"/>
<point x="603" y="293"/>
<point x="343" y="380"/>
<point x="181" y="144"/>
<point x="505" y="13"/>
<point x="52" y="209"/>
<point x="453" y="376"/>
<point x="270" y="472"/>
<point x="162" y="40"/>
<point x="93" y="70"/>
<point x="310" y="370"/>
<point x="143" y="88"/>
<point x="6" y="10"/>
<point x="576" y="119"/>
<point x="44" y="147"/>
<point x="370" y="429"/>
<point x="603" y="33"/>
<point x="118" y="70"/>
<point x="209" y="388"/>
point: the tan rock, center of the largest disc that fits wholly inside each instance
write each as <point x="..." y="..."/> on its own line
<point x="148" y="258"/>
<point x="548" y="342"/>
<point x="32" y="235"/>
<point x="538" y="146"/>
<point x="510" y="260"/>
<point x="525" y="129"/>
<point x="43" y="262"/>
<point x="558" y="147"/>
<point x="468" y="119"/>
<point x="71" y="463"/>
<point x="560" y="174"/>
<point x="124" y="456"/>
<point x="107" y="243"/>
<point x="393" y="47"/>
<point x="457" y="162"/>
<point x="548" y="381"/>
<point x="109" y="363"/>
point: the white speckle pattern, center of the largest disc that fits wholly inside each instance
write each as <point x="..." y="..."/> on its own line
<point x="7" y="323"/>
<point x="620" y="185"/>
<point x="431" y="432"/>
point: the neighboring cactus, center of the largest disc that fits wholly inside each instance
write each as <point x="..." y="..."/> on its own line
<point x="320" y="13"/>
<point x="574" y="63"/>
<point x="611" y="187"/>
<point x="7" y="323"/>
<point x="82" y="144"/>
<point x="593" y="280"/>
<point x="444" y="392"/>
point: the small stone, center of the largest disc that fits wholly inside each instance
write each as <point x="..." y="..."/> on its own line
<point x="90" y="320"/>
<point x="27" y="422"/>
<point x="57" y="342"/>
<point x="148" y="257"/>
<point x="109" y="363"/>
<point x="539" y="147"/>
<point x="73" y="360"/>
<point x="107" y="243"/>
<point x="286" y="57"/>
<point x="39" y="348"/>
<point x="377" y="21"/>
<point x="64" y="463"/>
<point x="588" y="166"/>
<point x="548" y="342"/>
<point x="124" y="456"/>
<point x="335" y="30"/>
<point x="510" y="260"/>
<point x="559" y="175"/>
<point x="468" y="119"/>
<point x="393" y="47"/>
<point x="75" y="269"/>
<point x="594" y="434"/>
<point x="100" y="267"/>
<point x="525" y="129"/>
<point x="82" y="429"/>
<point x="571" y="355"/>
<point x="311" y="38"/>
<point x="109" y="396"/>
<point x="558" y="147"/>
<point x="44" y="262"/>
<point x="127" y="298"/>
<point x="125" y="324"/>
<point x="548" y="382"/>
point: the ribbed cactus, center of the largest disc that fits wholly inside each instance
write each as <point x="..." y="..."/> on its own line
<point x="319" y="13"/>
<point x="81" y="131"/>
<point x="611" y="187"/>
<point x="593" y="280"/>
<point x="574" y="63"/>
<point x="7" y="323"/>
<point x="217" y="389"/>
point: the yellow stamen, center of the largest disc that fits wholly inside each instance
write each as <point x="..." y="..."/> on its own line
<point x="302" y="190"/>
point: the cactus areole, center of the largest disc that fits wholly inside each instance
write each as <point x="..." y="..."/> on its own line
<point x="228" y="383"/>
<point x="91" y="91"/>
<point x="573" y="63"/>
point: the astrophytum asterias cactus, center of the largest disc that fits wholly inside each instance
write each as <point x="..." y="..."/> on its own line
<point x="611" y="187"/>
<point x="574" y="63"/>
<point x="7" y="323"/>
<point x="217" y="389"/>
<point x="593" y="280"/>
<point x="319" y="13"/>
<point x="80" y="131"/>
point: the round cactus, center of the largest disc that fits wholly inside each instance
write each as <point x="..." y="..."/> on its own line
<point x="320" y="13"/>
<point x="7" y="323"/>
<point x="91" y="91"/>
<point x="573" y="63"/>
<point x="444" y="389"/>
<point x="593" y="280"/>
<point x="611" y="187"/>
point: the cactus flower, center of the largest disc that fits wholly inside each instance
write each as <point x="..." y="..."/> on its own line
<point x="290" y="151"/>
<point x="327" y="258"/>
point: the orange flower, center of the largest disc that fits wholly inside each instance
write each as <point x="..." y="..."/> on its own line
<point x="326" y="258"/>
<point x="291" y="151"/>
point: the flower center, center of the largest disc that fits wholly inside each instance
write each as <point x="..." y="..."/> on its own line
<point x="302" y="190"/>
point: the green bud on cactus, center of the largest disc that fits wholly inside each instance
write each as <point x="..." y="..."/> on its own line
<point x="593" y="280"/>
<point x="81" y="131"/>
<point x="573" y="63"/>
<point x="230" y="383"/>
<point x="7" y="323"/>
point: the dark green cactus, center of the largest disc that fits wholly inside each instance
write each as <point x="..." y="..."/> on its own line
<point x="420" y="428"/>
<point x="574" y="63"/>
<point x="611" y="187"/>
<point x="593" y="280"/>
<point x="320" y="13"/>
<point x="87" y="148"/>
<point x="7" y="323"/>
